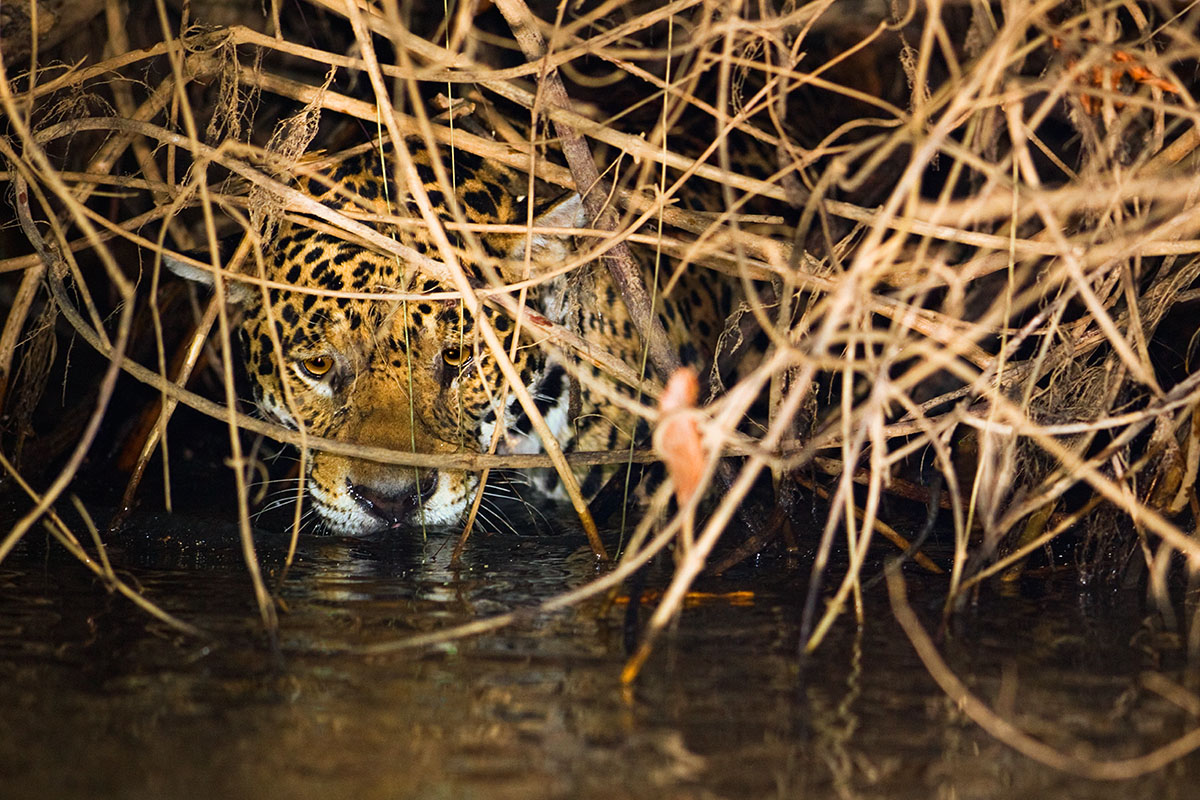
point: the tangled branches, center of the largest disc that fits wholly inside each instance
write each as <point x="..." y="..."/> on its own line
<point x="977" y="261"/>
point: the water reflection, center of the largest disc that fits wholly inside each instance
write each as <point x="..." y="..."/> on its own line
<point x="100" y="701"/>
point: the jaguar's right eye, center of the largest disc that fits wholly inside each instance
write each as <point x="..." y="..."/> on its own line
<point x="316" y="367"/>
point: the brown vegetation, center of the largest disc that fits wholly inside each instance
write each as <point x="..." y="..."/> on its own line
<point x="973" y="245"/>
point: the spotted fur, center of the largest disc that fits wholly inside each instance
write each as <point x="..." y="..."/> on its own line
<point x="414" y="375"/>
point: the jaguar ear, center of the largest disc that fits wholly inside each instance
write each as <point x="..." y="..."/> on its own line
<point x="551" y="248"/>
<point x="186" y="269"/>
<point x="194" y="266"/>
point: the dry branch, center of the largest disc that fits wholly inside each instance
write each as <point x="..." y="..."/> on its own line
<point x="991" y="271"/>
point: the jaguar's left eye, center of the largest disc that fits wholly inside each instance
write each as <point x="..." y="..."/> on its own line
<point x="317" y="367"/>
<point x="454" y="356"/>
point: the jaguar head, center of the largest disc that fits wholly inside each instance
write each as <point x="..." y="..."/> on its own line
<point x="360" y="349"/>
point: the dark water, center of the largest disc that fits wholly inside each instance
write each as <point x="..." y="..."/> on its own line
<point x="98" y="700"/>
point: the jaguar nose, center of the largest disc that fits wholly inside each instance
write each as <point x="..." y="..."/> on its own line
<point x="394" y="507"/>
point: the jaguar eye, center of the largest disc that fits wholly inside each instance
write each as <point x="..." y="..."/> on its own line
<point x="316" y="366"/>
<point x="454" y="356"/>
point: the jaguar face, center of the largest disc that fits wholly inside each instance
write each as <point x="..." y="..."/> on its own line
<point x="410" y="375"/>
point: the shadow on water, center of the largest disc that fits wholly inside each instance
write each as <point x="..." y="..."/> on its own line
<point x="101" y="701"/>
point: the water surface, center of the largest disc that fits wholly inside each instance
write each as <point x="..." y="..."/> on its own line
<point x="99" y="700"/>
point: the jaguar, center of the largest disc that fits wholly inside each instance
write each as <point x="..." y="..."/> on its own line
<point x="323" y="354"/>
